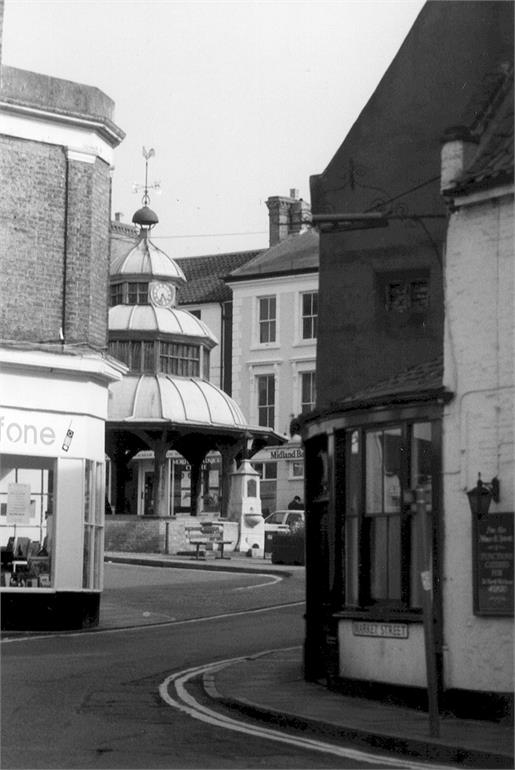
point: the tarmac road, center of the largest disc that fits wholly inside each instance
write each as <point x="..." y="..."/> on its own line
<point x="91" y="700"/>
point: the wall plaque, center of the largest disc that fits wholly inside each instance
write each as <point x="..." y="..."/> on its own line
<point x="493" y="564"/>
<point x="384" y="630"/>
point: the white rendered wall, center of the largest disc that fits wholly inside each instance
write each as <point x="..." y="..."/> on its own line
<point x="286" y="358"/>
<point x="478" y="428"/>
<point x="211" y="315"/>
<point x="396" y="661"/>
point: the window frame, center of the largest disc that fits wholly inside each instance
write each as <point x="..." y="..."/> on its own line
<point x="269" y="406"/>
<point x="309" y="320"/>
<point x="267" y="323"/>
<point x="310" y="405"/>
<point x="358" y="576"/>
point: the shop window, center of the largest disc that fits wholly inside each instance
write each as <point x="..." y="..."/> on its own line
<point x="93" y="524"/>
<point x="309" y="315"/>
<point x="26" y="521"/>
<point x="296" y="469"/>
<point x="267" y="471"/>
<point x="267" y="319"/>
<point x="308" y="392"/>
<point x="266" y="400"/>
<point x="381" y="528"/>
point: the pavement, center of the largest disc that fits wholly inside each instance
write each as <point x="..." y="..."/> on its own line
<point x="271" y="687"/>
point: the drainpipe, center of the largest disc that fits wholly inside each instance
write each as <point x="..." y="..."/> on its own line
<point x="62" y="332"/>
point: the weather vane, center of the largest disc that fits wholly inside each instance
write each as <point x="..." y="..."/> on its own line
<point x="147" y="154"/>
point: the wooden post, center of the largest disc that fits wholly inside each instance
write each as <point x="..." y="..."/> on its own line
<point x="426" y="576"/>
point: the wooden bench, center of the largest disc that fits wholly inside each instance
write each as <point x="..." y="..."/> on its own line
<point x="204" y="536"/>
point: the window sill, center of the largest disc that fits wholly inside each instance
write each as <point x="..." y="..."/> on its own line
<point x="381" y="615"/>
<point x="265" y="346"/>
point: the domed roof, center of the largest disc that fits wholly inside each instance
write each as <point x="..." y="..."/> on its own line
<point x="147" y="260"/>
<point x="145" y="217"/>
<point x="163" y="397"/>
<point x="165" y="320"/>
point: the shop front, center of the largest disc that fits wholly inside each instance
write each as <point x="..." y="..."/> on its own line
<point x="281" y="469"/>
<point x="140" y="484"/>
<point x="52" y="488"/>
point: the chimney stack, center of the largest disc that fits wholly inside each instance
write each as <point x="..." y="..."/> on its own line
<point x="288" y="216"/>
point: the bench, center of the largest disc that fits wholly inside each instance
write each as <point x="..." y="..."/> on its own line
<point x="204" y="536"/>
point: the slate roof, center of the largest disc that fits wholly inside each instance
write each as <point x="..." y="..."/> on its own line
<point x="493" y="162"/>
<point x="422" y="382"/>
<point x="297" y="254"/>
<point x="205" y="276"/>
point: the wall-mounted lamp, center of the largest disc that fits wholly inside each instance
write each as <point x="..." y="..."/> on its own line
<point x="482" y="495"/>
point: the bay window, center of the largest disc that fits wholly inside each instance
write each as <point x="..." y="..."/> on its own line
<point x="380" y="525"/>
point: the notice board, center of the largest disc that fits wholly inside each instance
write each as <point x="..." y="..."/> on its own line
<point x="493" y="564"/>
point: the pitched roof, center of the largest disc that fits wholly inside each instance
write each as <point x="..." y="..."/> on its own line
<point x="493" y="161"/>
<point x="205" y="275"/>
<point x="296" y="254"/>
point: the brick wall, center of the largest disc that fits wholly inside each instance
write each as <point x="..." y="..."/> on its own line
<point x="32" y="237"/>
<point x="32" y="231"/>
<point x="134" y="534"/>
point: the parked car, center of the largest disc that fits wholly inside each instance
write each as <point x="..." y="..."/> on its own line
<point x="283" y="521"/>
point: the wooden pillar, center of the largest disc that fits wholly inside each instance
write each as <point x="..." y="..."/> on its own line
<point x="228" y="453"/>
<point x="196" y="487"/>
<point x="160" y="478"/>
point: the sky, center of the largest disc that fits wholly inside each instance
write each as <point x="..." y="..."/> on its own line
<point x="239" y="100"/>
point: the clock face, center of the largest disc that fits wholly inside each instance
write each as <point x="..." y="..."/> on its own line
<point x="162" y="294"/>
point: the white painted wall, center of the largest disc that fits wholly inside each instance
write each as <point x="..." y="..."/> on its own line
<point x="383" y="659"/>
<point x="211" y="315"/>
<point x="286" y="358"/>
<point x="478" y="426"/>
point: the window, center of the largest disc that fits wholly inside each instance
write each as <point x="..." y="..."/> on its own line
<point x="382" y="558"/>
<point x="182" y="360"/>
<point x="266" y="400"/>
<point x="309" y="315"/>
<point x="196" y="313"/>
<point x="267" y="471"/>
<point x="267" y="319"/>
<point x="296" y="469"/>
<point x="137" y="354"/>
<point x="93" y="524"/>
<point x="117" y="294"/>
<point x="403" y="296"/>
<point x="26" y="521"/>
<point x="137" y="294"/>
<point x="308" y="393"/>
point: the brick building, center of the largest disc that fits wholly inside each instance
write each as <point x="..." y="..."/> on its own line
<point x="56" y="149"/>
<point x="415" y="378"/>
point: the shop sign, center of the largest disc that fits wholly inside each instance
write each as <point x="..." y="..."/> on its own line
<point x="29" y="432"/>
<point x="18" y="504"/>
<point x="383" y="630"/>
<point x="284" y="453"/>
<point x="493" y="564"/>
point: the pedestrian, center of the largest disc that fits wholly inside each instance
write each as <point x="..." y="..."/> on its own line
<point x="296" y="504"/>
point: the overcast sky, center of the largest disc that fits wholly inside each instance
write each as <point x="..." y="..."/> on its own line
<point x="240" y="100"/>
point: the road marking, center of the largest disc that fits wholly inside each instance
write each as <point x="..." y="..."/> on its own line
<point x="146" y="626"/>
<point x="272" y="579"/>
<point x="186" y="703"/>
